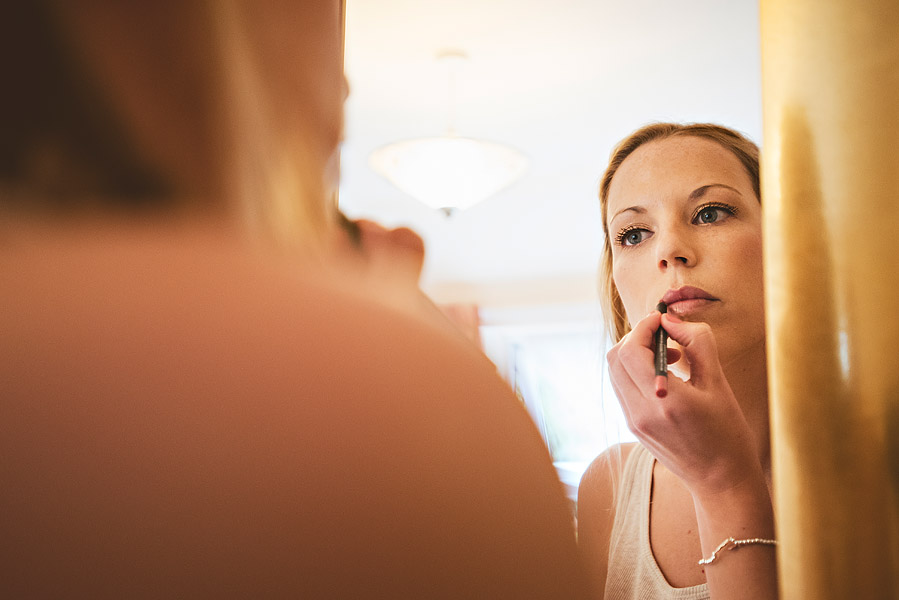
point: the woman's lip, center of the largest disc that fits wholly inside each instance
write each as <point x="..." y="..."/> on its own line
<point x="684" y="307"/>
<point x="686" y="292"/>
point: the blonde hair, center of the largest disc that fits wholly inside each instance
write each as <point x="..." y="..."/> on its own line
<point x="197" y="106"/>
<point x="742" y="147"/>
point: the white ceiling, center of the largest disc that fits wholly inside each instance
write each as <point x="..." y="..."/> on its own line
<point x="561" y="81"/>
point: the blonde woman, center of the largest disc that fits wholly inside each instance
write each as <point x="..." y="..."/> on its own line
<point x="685" y="512"/>
<point x="194" y="402"/>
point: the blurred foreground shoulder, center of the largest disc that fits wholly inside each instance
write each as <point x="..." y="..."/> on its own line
<point x="186" y="416"/>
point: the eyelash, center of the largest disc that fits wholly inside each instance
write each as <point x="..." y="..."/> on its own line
<point x="622" y="234"/>
<point x="619" y="237"/>
<point x="728" y="208"/>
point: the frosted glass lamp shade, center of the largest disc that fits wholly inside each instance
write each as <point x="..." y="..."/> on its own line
<point x="449" y="172"/>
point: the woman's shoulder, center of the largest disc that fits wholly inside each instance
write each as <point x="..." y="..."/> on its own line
<point x="606" y="468"/>
<point x="596" y="509"/>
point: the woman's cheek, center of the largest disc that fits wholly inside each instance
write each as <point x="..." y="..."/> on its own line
<point x="627" y="288"/>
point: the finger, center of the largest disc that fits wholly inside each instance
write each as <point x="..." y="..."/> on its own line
<point x="638" y="355"/>
<point x="642" y="331"/>
<point x="674" y="355"/>
<point x="631" y="374"/>
<point x="698" y="345"/>
<point x="636" y="360"/>
<point x="393" y="252"/>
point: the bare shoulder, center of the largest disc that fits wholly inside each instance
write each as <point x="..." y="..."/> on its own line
<point x="264" y="373"/>
<point x="596" y="511"/>
<point x="605" y="468"/>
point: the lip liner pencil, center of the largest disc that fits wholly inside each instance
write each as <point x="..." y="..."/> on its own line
<point x="660" y="355"/>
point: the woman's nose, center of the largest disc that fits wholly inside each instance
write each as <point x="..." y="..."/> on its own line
<point x="673" y="248"/>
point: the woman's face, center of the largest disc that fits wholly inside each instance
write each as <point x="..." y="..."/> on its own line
<point x="685" y="226"/>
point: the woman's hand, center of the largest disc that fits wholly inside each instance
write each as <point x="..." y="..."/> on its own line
<point x="698" y="431"/>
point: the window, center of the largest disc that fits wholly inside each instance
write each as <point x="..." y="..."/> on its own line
<point x="554" y="358"/>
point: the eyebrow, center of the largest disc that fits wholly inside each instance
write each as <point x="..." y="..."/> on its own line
<point x="700" y="191"/>
<point x="694" y="195"/>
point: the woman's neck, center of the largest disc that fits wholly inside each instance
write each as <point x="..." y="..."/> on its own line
<point x="748" y="378"/>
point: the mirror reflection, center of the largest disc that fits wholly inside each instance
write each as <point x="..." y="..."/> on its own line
<point x="560" y="85"/>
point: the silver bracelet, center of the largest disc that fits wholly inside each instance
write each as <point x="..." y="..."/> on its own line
<point x="732" y="544"/>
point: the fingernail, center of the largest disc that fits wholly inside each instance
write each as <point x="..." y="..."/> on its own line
<point x="674" y="318"/>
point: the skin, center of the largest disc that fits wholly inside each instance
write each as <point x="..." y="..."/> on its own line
<point x="682" y="212"/>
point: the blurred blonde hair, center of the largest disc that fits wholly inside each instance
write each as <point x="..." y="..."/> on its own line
<point x="742" y="147"/>
<point x="208" y="106"/>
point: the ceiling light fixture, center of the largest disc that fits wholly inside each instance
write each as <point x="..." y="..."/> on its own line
<point x="449" y="172"/>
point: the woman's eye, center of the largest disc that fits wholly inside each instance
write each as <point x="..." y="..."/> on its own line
<point x="632" y="237"/>
<point x="713" y="213"/>
<point x="708" y="215"/>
